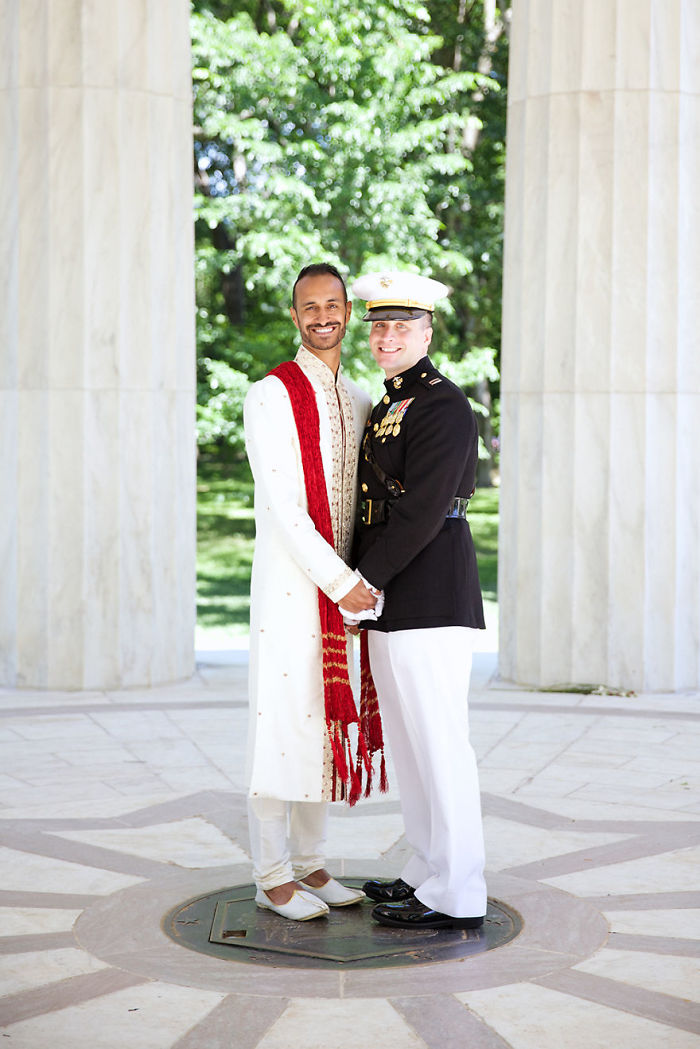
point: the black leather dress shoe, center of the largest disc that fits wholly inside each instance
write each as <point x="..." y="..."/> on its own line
<point x="387" y="891"/>
<point x="412" y="914"/>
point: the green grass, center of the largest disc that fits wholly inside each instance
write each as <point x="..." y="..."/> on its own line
<point x="226" y="535"/>
<point x="225" y="539"/>
<point x="483" y="521"/>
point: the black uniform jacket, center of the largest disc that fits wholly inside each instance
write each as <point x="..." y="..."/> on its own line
<point x="424" y="561"/>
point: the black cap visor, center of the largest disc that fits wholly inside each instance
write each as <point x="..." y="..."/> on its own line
<point x="395" y="313"/>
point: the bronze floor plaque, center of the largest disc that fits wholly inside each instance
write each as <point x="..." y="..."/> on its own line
<point x="228" y="924"/>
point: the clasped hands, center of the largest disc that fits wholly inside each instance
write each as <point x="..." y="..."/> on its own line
<point x="362" y="602"/>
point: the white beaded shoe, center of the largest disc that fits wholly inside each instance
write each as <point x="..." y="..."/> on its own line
<point x="335" y="894"/>
<point x="300" y="908"/>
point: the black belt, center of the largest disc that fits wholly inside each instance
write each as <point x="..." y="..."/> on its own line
<point x="376" y="511"/>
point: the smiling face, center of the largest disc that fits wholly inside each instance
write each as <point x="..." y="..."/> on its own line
<point x="321" y="314"/>
<point x="397" y="345"/>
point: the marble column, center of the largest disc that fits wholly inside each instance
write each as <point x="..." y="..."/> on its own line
<point x="599" y="578"/>
<point x="97" y="453"/>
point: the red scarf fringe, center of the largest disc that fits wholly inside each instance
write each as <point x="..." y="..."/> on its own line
<point x="350" y="775"/>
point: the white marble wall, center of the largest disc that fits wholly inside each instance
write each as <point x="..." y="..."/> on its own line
<point x="97" y="466"/>
<point x="600" y="525"/>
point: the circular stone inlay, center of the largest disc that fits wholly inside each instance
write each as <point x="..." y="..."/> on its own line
<point x="228" y="925"/>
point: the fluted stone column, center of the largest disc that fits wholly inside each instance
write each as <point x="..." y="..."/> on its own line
<point x="97" y="455"/>
<point x="599" y="578"/>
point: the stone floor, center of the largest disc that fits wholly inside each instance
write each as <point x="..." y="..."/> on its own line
<point x="118" y="806"/>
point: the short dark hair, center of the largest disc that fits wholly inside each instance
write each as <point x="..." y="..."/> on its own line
<point x="318" y="269"/>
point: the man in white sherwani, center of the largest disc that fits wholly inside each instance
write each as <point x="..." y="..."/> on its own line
<point x="290" y="761"/>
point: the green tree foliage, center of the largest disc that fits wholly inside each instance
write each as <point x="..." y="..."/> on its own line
<point x="368" y="134"/>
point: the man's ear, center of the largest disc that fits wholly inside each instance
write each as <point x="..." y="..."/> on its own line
<point x="428" y="336"/>
<point x="348" y="310"/>
<point x="293" y="314"/>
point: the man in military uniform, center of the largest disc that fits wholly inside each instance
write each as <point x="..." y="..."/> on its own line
<point x="417" y="471"/>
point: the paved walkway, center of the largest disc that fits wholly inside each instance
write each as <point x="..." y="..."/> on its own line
<point x="118" y="806"/>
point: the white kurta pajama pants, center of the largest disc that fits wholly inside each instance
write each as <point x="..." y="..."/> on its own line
<point x="287" y="839"/>
<point x="422" y="680"/>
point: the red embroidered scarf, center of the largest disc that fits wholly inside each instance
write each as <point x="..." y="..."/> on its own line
<point x="349" y="776"/>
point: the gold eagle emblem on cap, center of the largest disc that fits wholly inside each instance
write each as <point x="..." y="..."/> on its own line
<point x="386" y="282"/>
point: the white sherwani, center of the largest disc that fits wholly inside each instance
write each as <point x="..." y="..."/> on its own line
<point x="288" y="753"/>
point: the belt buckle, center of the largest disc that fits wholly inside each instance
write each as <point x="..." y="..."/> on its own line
<point x="458" y="509"/>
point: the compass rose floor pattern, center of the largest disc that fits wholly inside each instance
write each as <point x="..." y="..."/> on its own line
<point x="115" y="807"/>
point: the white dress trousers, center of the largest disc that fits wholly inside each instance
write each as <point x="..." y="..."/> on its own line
<point x="422" y="681"/>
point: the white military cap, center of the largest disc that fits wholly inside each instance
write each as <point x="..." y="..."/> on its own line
<point x="397" y="295"/>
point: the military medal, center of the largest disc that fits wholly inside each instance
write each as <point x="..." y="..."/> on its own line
<point x="391" y="423"/>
